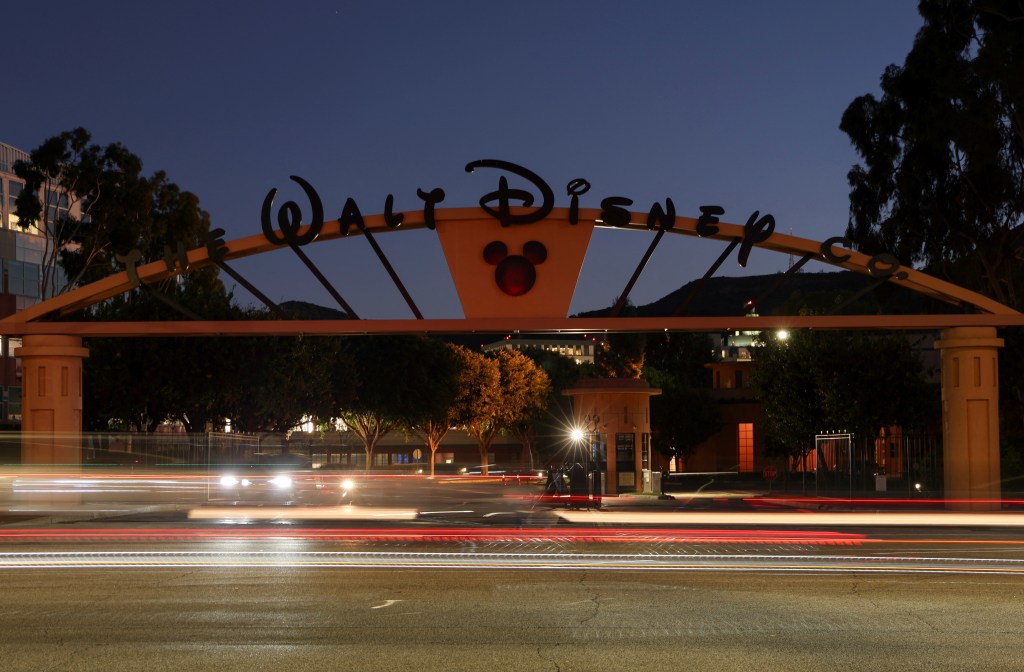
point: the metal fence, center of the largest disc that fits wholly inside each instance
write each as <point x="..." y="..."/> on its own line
<point x="844" y="463"/>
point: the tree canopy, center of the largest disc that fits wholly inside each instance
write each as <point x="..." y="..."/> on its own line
<point x="815" y="381"/>
<point x="684" y="415"/>
<point x="394" y="382"/>
<point x="942" y="180"/>
<point x="111" y="208"/>
<point x="471" y="379"/>
<point x="519" y="397"/>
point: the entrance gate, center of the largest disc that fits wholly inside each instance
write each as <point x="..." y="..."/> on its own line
<point x="515" y="265"/>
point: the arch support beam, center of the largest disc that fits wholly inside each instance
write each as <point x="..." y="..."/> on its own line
<point x="51" y="416"/>
<point x="970" y="416"/>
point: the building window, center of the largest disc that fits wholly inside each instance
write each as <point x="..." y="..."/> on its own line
<point x="14" y="403"/>
<point x="624" y="448"/>
<point x="13" y="191"/>
<point x="599" y="449"/>
<point x="745" y="439"/>
<point x="21" y="278"/>
<point x="57" y="205"/>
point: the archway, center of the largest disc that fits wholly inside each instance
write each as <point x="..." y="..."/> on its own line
<point x="515" y="268"/>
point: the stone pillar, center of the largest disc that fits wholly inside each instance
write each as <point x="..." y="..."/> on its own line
<point x="970" y="416"/>
<point x="51" y="402"/>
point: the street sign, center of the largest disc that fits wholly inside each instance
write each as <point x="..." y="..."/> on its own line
<point x="770" y="473"/>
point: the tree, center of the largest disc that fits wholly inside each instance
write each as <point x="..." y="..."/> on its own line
<point x="396" y="381"/>
<point x="942" y="183"/>
<point x="169" y="378"/>
<point x="943" y="180"/>
<point x="545" y="433"/>
<point x="684" y="415"/>
<point x="273" y="383"/>
<point x="259" y="383"/>
<point x="621" y="356"/>
<point x="815" y="380"/>
<point x="92" y="203"/>
<point x="521" y="393"/>
<point x="454" y="399"/>
<point x="788" y="388"/>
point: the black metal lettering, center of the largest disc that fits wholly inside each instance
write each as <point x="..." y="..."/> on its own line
<point x="613" y="211"/>
<point x="826" y="249"/>
<point x="575" y="189"/>
<point x="884" y="266"/>
<point x="392" y="219"/>
<point x="430" y="199"/>
<point x="131" y="261"/>
<point x="709" y="215"/>
<point x="176" y="260"/>
<point x="662" y="219"/>
<point x="504" y="196"/>
<point x="756" y="230"/>
<point x="350" y="216"/>
<point x="289" y="217"/>
<point x="216" y="248"/>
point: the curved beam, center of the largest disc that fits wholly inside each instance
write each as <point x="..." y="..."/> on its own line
<point x="239" y="248"/>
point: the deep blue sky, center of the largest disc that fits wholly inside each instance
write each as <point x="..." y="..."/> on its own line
<point x="732" y="103"/>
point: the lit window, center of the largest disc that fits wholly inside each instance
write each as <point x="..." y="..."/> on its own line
<point x="13" y="190"/>
<point x="745" y="439"/>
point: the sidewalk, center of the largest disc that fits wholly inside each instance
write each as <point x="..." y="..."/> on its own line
<point x="764" y="500"/>
<point x="53" y="514"/>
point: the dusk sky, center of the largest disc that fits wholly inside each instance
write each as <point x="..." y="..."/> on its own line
<point x="729" y="103"/>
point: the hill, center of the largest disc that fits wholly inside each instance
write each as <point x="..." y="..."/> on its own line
<point x="723" y="296"/>
<point x="778" y="294"/>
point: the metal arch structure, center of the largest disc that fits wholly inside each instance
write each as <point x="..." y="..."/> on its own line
<point x="546" y="315"/>
<point x="547" y="259"/>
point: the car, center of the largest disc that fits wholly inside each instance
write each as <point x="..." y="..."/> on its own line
<point x="281" y="483"/>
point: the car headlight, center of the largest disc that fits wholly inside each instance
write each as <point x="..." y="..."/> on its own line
<point x="228" y="481"/>
<point x="347" y="484"/>
<point x="281" y="482"/>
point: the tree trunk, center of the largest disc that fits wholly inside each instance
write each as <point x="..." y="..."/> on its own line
<point x="485" y="449"/>
<point x="433" y="446"/>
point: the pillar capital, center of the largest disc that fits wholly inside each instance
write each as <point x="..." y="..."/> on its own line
<point x="968" y="337"/>
<point x="44" y="345"/>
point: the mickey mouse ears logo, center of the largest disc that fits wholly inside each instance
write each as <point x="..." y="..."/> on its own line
<point x="515" y="274"/>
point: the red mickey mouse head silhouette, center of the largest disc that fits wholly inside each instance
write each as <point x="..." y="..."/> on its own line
<point x="515" y="274"/>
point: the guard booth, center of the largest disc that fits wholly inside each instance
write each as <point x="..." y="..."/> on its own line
<point x="615" y="416"/>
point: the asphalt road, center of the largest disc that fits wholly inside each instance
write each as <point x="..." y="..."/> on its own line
<point x="308" y="618"/>
<point x="484" y="579"/>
